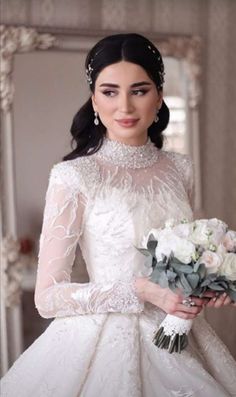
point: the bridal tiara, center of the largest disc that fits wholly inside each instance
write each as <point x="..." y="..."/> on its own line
<point x="89" y="69"/>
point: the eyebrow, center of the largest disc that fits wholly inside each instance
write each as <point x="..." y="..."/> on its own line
<point x="140" y="83"/>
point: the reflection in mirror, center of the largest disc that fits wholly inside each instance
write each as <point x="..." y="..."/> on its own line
<point x="50" y="87"/>
<point x="176" y="97"/>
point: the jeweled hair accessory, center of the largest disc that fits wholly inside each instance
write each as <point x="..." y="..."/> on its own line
<point x="88" y="72"/>
<point x="161" y="66"/>
<point x="161" y="72"/>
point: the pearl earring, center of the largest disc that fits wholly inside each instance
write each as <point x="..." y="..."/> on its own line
<point x="96" y="120"/>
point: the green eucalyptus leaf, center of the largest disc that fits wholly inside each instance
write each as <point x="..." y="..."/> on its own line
<point x="155" y="276"/>
<point x="179" y="285"/>
<point x="151" y="246"/>
<point x="186" y="286"/>
<point x="182" y="268"/>
<point x="224" y="284"/>
<point x="232" y="294"/>
<point x="171" y="275"/>
<point x="202" y="270"/>
<point x="176" y="260"/>
<point x="148" y="261"/>
<point x="213" y="276"/>
<point x="216" y="287"/>
<point x="193" y="279"/>
<point x="205" y="283"/>
<point x="196" y="267"/>
<point x="163" y="280"/>
<point x="232" y="285"/>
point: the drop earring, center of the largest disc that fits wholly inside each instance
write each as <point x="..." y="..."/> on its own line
<point x="157" y="117"/>
<point x="96" y="120"/>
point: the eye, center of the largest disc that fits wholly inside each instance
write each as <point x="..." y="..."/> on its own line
<point x="139" y="92"/>
<point x="109" y="93"/>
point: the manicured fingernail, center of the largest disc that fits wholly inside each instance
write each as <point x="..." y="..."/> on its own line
<point x="224" y="295"/>
<point x="214" y="299"/>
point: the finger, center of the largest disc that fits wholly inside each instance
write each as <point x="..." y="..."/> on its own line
<point x="219" y="302"/>
<point x="190" y="310"/>
<point x="200" y="301"/>
<point x="185" y="316"/>
<point x="211" y="302"/>
<point x="227" y="301"/>
<point x="208" y="294"/>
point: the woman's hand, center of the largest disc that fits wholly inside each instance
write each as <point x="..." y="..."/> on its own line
<point x="218" y="300"/>
<point x="167" y="300"/>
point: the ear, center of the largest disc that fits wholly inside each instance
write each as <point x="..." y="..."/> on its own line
<point x="160" y="100"/>
<point x="94" y="103"/>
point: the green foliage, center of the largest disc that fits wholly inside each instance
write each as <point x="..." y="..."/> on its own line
<point x="191" y="278"/>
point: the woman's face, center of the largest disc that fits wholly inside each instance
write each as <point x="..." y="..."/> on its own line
<point x="127" y="101"/>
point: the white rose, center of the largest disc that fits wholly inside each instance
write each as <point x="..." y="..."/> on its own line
<point x="183" y="229"/>
<point x="170" y="223"/>
<point x="211" y="260"/>
<point x="221" y="250"/>
<point x="168" y="242"/>
<point x="217" y="230"/>
<point x="228" y="267"/>
<point x="165" y="243"/>
<point x="185" y="251"/>
<point x="229" y="241"/>
<point x="200" y="234"/>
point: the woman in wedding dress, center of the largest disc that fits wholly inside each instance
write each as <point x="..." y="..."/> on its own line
<point x="105" y="196"/>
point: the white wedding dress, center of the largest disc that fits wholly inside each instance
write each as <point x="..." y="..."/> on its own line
<point x="100" y="343"/>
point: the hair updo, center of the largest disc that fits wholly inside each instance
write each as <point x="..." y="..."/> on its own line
<point x="130" y="47"/>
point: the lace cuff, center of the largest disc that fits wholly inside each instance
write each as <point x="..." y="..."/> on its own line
<point x="66" y="299"/>
<point x="115" y="297"/>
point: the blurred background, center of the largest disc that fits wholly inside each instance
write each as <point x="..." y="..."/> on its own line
<point x="198" y="41"/>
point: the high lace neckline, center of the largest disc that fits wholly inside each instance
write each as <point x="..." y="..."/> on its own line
<point x="128" y="156"/>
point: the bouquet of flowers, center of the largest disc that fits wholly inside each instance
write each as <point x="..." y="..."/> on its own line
<point x="193" y="257"/>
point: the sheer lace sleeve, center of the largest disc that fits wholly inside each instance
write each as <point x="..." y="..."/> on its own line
<point x="185" y="167"/>
<point x="55" y="295"/>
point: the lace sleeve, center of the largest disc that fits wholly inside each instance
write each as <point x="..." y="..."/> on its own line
<point x="55" y="295"/>
<point x="185" y="167"/>
<point x="189" y="180"/>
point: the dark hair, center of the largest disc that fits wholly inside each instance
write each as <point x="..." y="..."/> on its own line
<point x="130" y="47"/>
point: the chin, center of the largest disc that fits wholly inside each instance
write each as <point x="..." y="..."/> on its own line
<point x="127" y="134"/>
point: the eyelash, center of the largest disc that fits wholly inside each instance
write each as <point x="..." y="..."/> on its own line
<point x="110" y="93"/>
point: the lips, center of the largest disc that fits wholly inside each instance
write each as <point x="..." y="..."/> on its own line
<point x="127" y="122"/>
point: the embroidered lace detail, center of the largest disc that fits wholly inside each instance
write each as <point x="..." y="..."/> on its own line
<point x="185" y="167"/>
<point x="128" y="156"/>
<point x="75" y="299"/>
<point x="173" y="325"/>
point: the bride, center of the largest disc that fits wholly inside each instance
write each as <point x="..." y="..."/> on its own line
<point x="106" y="195"/>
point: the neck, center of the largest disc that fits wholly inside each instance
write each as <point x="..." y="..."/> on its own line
<point x="127" y="155"/>
<point x="133" y="141"/>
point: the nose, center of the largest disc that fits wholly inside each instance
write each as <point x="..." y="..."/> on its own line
<point x="125" y="103"/>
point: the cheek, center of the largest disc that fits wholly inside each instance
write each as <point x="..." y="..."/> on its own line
<point x="149" y="110"/>
<point x="106" y="106"/>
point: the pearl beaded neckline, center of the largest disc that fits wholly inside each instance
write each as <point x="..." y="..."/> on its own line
<point x="128" y="156"/>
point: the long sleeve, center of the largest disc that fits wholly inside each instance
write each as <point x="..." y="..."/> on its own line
<point x="189" y="180"/>
<point x="55" y="295"/>
<point x="185" y="167"/>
